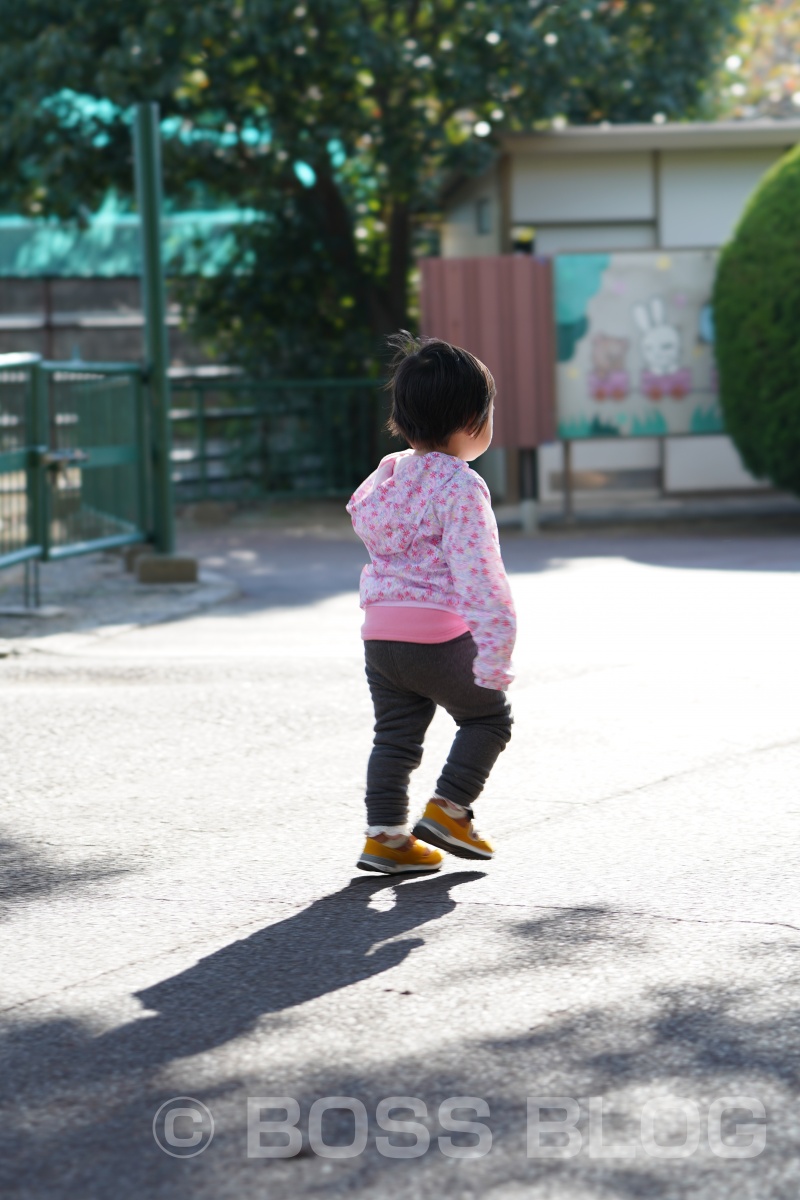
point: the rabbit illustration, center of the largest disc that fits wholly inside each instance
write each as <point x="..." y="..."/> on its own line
<point x="661" y="350"/>
<point x="661" y="343"/>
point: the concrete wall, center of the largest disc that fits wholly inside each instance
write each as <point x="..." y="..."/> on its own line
<point x="558" y="239"/>
<point x="645" y="467"/>
<point x="586" y="188"/>
<point x="460" y="237"/>
<point x="634" y="201"/>
<point x="702" y="193"/>
<point x="709" y="464"/>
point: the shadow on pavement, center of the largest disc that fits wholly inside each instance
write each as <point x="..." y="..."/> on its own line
<point x="79" y="1110"/>
<point x="327" y="946"/>
<point x="275" y="569"/>
<point x="26" y="874"/>
<point x="770" y="549"/>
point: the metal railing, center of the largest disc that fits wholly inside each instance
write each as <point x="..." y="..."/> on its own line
<point x="18" y="492"/>
<point x="96" y="459"/>
<point x="79" y="460"/>
<point x="234" y="437"/>
<point x="74" y="461"/>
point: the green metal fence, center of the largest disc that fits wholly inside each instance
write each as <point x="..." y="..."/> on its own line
<point x="238" y="438"/>
<point x="78" y="460"/>
<point x="74" y="461"/>
<point x="20" y="500"/>
<point x="96" y="461"/>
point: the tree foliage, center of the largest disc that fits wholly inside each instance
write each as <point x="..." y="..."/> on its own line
<point x="757" y="316"/>
<point x="334" y="120"/>
<point x="761" y="73"/>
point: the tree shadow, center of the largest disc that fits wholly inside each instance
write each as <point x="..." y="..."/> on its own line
<point x="574" y="935"/>
<point x="78" y="1109"/>
<point x="26" y="874"/>
<point x="74" y="1134"/>
<point x="771" y="548"/>
<point x="275" y="569"/>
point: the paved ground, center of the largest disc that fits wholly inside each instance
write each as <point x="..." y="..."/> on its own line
<point x="93" y="597"/>
<point x="180" y="817"/>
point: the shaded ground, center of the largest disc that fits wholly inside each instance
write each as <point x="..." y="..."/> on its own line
<point x="180" y="915"/>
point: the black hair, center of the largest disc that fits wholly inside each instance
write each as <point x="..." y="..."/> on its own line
<point x="437" y="390"/>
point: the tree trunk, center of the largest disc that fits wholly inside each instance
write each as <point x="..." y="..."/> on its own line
<point x="389" y="300"/>
<point x="399" y="259"/>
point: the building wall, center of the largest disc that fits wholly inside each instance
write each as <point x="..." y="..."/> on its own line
<point x="476" y="206"/>
<point x="570" y="239"/>
<point x="676" y="199"/>
<point x="582" y="188"/>
<point x="702" y="193"/>
<point x="630" y="200"/>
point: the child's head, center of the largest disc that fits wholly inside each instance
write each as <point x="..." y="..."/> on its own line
<point x="437" y="390"/>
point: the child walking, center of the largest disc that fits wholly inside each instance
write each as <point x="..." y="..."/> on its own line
<point x="439" y="622"/>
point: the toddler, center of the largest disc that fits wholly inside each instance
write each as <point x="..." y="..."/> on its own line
<point x="439" y="621"/>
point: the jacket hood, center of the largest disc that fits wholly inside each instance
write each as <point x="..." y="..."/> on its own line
<point x="388" y="508"/>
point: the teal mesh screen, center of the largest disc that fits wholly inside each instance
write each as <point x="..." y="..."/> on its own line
<point x="195" y="243"/>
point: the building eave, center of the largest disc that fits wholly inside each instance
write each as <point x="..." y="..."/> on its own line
<point x="697" y="135"/>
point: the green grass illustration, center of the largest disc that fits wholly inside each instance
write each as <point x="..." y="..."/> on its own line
<point x="582" y="427"/>
<point x="652" y="424"/>
<point x="707" y="420"/>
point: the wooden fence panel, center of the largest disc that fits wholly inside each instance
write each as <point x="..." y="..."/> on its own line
<point x="500" y="309"/>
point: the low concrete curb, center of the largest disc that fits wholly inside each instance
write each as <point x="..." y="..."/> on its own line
<point x="166" y="568"/>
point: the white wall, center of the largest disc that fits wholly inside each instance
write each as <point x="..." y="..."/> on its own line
<point x="693" y="199"/>
<point x="706" y="464"/>
<point x="459" y="235"/>
<point x="562" y="239"/>
<point x="617" y="201"/>
<point x="702" y="193"/>
<point x="611" y="455"/>
<point x="586" y="188"/>
<point x="691" y="464"/>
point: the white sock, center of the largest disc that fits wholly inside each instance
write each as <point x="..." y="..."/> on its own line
<point x="396" y="835"/>
<point x="450" y="806"/>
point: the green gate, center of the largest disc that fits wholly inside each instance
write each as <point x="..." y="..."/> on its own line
<point x="74" y="467"/>
<point x="21" y="491"/>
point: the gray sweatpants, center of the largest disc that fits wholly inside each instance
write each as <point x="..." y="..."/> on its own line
<point x="407" y="681"/>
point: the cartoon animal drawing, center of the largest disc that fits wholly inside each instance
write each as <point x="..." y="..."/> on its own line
<point x="608" y="379"/>
<point x="660" y="345"/>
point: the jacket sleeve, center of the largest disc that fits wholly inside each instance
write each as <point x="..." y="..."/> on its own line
<point x="471" y="546"/>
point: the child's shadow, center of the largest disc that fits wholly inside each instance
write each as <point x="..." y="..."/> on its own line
<point x="325" y="947"/>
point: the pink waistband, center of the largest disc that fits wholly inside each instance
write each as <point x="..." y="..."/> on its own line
<point x="410" y="623"/>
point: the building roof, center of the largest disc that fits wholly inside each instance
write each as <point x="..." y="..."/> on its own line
<point x="695" y="135"/>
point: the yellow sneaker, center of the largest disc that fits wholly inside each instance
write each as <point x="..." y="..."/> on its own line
<point x="416" y="856"/>
<point x="440" y="829"/>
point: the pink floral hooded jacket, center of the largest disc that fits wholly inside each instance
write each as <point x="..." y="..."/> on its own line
<point x="428" y="525"/>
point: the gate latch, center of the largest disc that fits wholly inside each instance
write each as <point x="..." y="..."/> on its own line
<point x="59" y="460"/>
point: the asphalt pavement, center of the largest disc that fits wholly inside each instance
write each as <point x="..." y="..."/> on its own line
<point x="609" y="1009"/>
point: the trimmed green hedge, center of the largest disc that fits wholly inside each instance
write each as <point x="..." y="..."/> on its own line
<point x="757" y="318"/>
